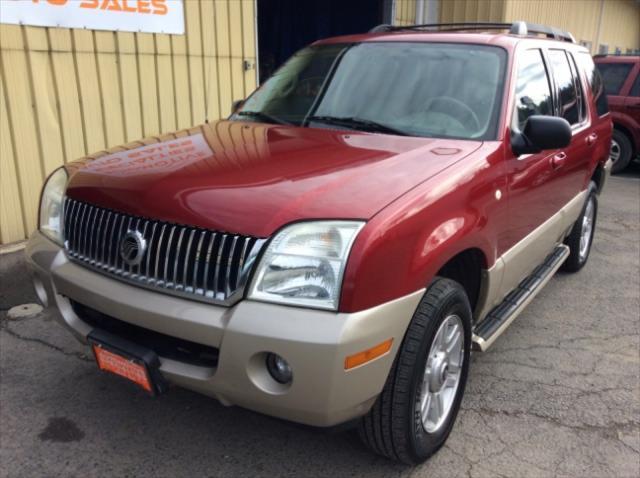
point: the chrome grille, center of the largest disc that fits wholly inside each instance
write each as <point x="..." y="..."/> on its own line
<point x="182" y="260"/>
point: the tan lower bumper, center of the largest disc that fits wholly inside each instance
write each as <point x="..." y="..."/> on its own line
<point x="607" y="174"/>
<point x="315" y="343"/>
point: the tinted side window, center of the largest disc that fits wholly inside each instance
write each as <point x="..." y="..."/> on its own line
<point x="595" y="82"/>
<point x="533" y="93"/>
<point x="635" y="89"/>
<point x="614" y="75"/>
<point x="582" y="98"/>
<point x="568" y="96"/>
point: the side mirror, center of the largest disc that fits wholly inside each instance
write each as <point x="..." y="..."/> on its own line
<point x="540" y="133"/>
<point x="236" y="105"/>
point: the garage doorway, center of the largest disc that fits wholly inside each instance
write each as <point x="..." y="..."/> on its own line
<point x="285" y="26"/>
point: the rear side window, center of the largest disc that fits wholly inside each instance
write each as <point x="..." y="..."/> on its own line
<point x="614" y="75"/>
<point x="635" y="89"/>
<point x="567" y="86"/>
<point x="533" y="91"/>
<point x="595" y="82"/>
<point x="582" y="97"/>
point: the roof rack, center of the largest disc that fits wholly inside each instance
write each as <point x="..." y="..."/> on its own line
<point x="516" y="28"/>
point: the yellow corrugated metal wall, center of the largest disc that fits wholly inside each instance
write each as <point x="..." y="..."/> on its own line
<point x="615" y="23"/>
<point x="620" y="25"/>
<point x="471" y="11"/>
<point x="579" y="18"/>
<point x="66" y="93"/>
<point x="404" y="12"/>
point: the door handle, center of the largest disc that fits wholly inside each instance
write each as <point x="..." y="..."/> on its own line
<point x="558" y="160"/>
<point x="591" y="139"/>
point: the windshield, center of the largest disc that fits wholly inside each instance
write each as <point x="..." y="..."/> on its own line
<point x="419" y="89"/>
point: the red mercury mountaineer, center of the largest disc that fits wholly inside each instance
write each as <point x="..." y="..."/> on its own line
<point x="381" y="206"/>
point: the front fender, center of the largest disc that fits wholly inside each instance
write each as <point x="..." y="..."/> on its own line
<point x="403" y="247"/>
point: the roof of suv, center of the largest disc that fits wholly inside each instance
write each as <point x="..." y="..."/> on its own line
<point x="502" y="39"/>
<point x="502" y="34"/>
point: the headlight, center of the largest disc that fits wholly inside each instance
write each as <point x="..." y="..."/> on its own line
<point x="304" y="264"/>
<point x="51" y="204"/>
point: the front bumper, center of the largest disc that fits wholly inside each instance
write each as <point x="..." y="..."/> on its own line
<point x="315" y="343"/>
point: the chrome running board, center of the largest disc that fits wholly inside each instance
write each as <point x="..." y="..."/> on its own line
<point x="501" y="316"/>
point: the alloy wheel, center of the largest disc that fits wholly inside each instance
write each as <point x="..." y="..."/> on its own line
<point x="442" y="374"/>
<point x="587" y="229"/>
<point x="614" y="152"/>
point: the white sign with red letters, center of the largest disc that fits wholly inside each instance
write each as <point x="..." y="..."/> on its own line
<point x="151" y="16"/>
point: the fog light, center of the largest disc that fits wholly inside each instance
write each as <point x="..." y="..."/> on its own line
<point x="279" y="368"/>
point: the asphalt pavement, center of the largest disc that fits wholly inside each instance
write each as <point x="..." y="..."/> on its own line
<point x="557" y="395"/>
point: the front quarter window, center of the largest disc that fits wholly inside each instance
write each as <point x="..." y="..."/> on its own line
<point x="416" y="89"/>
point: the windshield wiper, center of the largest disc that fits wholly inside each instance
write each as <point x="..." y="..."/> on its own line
<point x="264" y="117"/>
<point x="358" y="124"/>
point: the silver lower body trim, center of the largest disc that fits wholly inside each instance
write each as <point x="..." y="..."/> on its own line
<point x="483" y="343"/>
<point x="518" y="262"/>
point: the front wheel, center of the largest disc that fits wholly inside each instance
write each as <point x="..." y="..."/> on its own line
<point x="417" y="408"/>
<point x="580" y="238"/>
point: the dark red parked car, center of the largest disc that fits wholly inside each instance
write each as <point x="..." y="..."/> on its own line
<point x="333" y="251"/>
<point x="621" y="76"/>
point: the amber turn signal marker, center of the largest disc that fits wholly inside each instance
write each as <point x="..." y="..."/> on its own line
<point x="367" y="355"/>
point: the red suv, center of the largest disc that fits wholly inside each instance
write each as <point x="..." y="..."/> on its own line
<point x="621" y="76"/>
<point x="334" y="250"/>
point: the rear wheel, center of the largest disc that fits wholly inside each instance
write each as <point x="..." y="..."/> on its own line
<point x="580" y="238"/>
<point x="621" y="151"/>
<point x="417" y="408"/>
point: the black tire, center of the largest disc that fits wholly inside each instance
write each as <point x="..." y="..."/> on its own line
<point x="393" y="427"/>
<point x="576" y="261"/>
<point x="623" y="143"/>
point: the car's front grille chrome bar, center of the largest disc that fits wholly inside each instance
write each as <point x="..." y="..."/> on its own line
<point x="188" y="261"/>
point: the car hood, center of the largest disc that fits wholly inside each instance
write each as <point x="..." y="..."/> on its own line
<point x="253" y="178"/>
